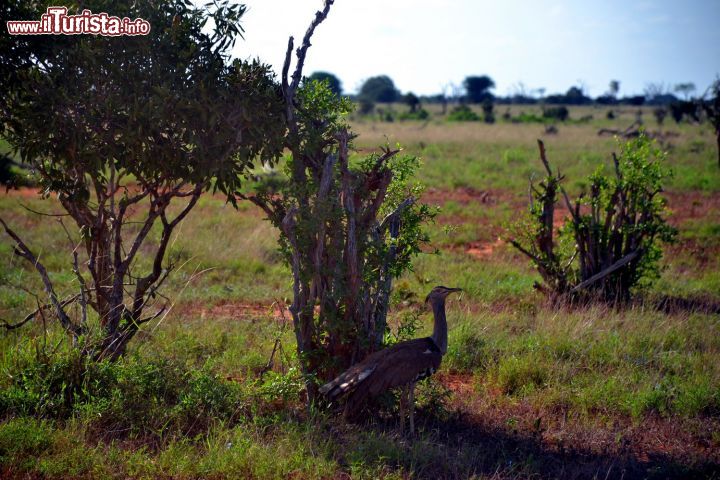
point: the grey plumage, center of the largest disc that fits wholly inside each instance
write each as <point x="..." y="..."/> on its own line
<point x="402" y="364"/>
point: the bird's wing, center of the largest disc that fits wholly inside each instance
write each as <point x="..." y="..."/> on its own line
<point x="358" y="373"/>
<point x="407" y="363"/>
<point x="401" y="364"/>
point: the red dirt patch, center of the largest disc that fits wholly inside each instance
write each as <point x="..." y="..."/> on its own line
<point x="483" y="250"/>
<point x="22" y="192"/>
<point x="692" y="205"/>
<point x="465" y="195"/>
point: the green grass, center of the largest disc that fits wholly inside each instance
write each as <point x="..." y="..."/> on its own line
<point x="189" y="399"/>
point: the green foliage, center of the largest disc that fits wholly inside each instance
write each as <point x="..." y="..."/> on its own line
<point x="638" y="182"/>
<point x="339" y="223"/>
<point x="284" y="387"/>
<point x="162" y="118"/>
<point x="462" y="113"/>
<point x="617" y="242"/>
<point x="332" y="81"/>
<point x="146" y="397"/>
<point x="172" y="106"/>
<point x="419" y="114"/>
<point x="22" y="439"/>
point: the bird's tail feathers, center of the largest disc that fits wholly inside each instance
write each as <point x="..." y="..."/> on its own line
<point x="346" y="382"/>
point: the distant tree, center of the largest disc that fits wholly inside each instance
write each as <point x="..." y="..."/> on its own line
<point x="412" y="101"/>
<point x="634" y="100"/>
<point x="576" y="96"/>
<point x="333" y="82"/>
<point x="686" y="89"/>
<point x="658" y="94"/>
<point x="380" y="89"/>
<point x="614" y="88"/>
<point x="606" y="99"/>
<point x="477" y="89"/>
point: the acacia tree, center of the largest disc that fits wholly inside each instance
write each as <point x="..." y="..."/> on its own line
<point x="477" y="89"/>
<point x="346" y="228"/>
<point x="123" y="129"/>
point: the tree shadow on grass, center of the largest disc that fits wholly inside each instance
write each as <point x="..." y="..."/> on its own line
<point x="462" y="447"/>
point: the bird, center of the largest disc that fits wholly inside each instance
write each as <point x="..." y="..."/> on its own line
<point x="400" y="365"/>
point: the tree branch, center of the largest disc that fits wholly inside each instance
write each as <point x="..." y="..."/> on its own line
<point x="22" y="250"/>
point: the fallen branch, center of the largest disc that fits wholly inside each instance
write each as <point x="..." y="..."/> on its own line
<point x="612" y="268"/>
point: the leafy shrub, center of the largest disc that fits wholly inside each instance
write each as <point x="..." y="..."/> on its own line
<point x="611" y="245"/>
<point x="149" y="396"/>
<point x="22" y="439"/>
<point x="556" y="113"/>
<point x="420" y="114"/>
<point x="284" y="387"/>
<point x="463" y="113"/>
<point x="524" y="117"/>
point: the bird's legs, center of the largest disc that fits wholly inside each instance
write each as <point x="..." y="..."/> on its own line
<point x="403" y="401"/>
<point x="411" y="406"/>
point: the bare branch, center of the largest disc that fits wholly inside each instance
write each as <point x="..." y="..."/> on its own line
<point x="36" y="312"/>
<point x="22" y="250"/>
<point x="320" y="16"/>
<point x="43" y="213"/>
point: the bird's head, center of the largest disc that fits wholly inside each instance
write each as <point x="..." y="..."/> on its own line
<point x="440" y="293"/>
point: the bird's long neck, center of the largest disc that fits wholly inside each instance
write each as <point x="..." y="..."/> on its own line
<point x="440" y="331"/>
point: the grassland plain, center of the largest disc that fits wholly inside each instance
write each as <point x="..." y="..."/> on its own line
<point x="526" y="390"/>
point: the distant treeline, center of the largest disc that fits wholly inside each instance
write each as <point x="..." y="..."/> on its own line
<point x="478" y="89"/>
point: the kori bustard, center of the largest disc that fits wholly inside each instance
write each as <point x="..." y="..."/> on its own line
<point x="401" y="365"/>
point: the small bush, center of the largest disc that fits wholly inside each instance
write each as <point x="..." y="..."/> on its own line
<point x="463" y="113"/>
<point x="144" y="396"/>
<point x="611" y="244"/>
<point x="420" y="114"/>
<point x="22" y="439"/>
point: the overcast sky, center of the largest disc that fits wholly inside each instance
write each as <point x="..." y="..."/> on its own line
<point x="423" y="45"/>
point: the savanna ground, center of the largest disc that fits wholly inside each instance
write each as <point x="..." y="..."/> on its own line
<point x="526" y="389"/>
